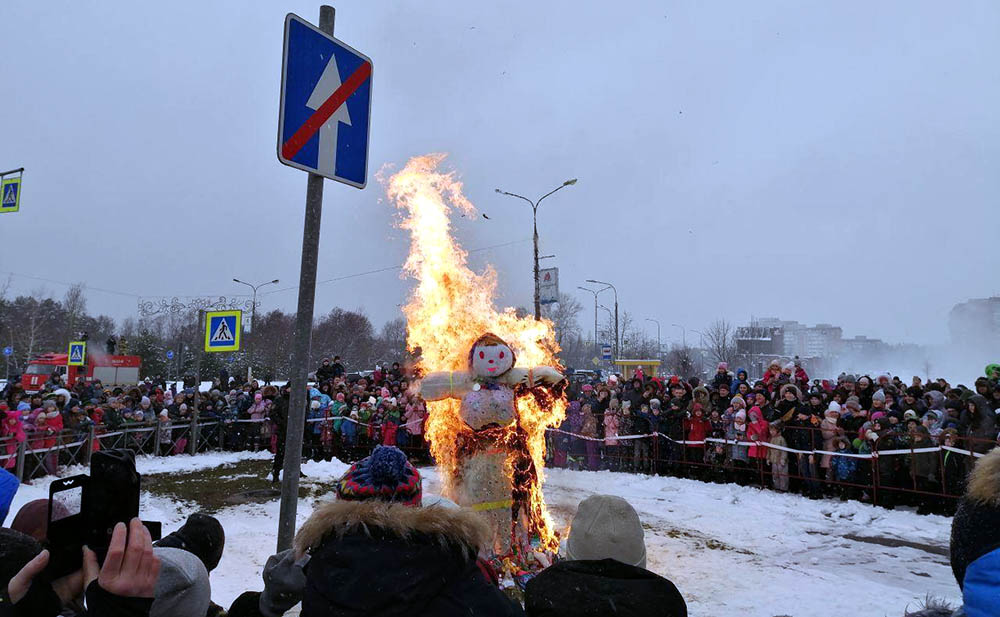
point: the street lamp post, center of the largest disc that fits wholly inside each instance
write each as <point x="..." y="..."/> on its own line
<point x="684" y="333"/>
<point x="612" y="288"/>
<point x="596" y="348"/>
<point x="657" y="336"/>
<point x="609" y="319"/>
<point x="253" y="320"/>
<point x="534" y="222"/>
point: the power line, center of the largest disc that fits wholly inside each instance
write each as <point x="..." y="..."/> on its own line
<point x="323" y="282"/>
<point x="391" y="268"/>
<point x="48" y="280"/>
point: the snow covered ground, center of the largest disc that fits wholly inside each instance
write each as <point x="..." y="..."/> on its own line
<point x="730" y="550"/>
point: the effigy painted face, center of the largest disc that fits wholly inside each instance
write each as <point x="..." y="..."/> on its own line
<point x="491" y="357"/>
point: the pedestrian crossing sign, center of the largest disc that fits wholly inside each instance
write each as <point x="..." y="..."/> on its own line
<point x="77" y="353"/>
<point x="222" y="330"/>
<point x="10" y="195"/>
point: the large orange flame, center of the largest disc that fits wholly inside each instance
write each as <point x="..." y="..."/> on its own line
<point x="450" y="307"/>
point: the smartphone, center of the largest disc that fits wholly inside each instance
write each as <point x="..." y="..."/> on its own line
<point x="111" y="497"/>
<point x="66" y="526"/>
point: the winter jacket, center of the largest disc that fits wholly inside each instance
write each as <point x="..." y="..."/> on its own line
<point x="8" y="488"/>
<point x="758" y="430"/>
<point x="595" y="588"/>
<point x="370" y="558"/>
<point x="843" y="466"/>
<point x="741" y="377"/>
<point x="612" y="421"/>
<point x="979" y="426"/>
<point x="830" y="431"/>
<point x="925" y="464"/>
<point x="736" y="451"/>
<point x="696" y="429"/>
<point x="776" y="456"/>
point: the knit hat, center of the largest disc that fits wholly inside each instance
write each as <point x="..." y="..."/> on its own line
<point x="879" y="396"/>
<point x="182" y="587"/>
<point x="201" y="535"/>
<point x="833" y="406"/>
<point x="607" y="526"/>
<point x="16" y="550"/>
<point x="910" y="415"/>
<point x="723" y="366"/>
<point x="853" y="402"/>
<point x="385" y="475"/>
<point x="741" y="415"/>
<point x="975" y="530"/>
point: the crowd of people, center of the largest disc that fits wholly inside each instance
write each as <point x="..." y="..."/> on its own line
<point x="383" y="547"/>
<point x="787" y="431"/>
<point x="430" y="556"/>
<point x="346" y="415"/>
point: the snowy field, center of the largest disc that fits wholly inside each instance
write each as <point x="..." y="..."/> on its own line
<point x="730" y="550"/>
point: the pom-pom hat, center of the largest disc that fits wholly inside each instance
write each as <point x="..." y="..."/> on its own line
<point x="385" y="475"/>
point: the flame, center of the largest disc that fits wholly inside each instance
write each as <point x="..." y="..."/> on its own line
<point x="449" y="308"/>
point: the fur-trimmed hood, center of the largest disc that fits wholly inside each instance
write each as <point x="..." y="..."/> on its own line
<point x="376" y="559"/>
<point x="451" y="527"/>
<point x="984" y="481"/>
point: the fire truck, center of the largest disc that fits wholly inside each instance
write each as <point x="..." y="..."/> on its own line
<point x="110" y="370"/>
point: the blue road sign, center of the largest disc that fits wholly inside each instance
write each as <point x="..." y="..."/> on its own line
<point x="170" y="355"/>
<point x="605" y="352"/>
<point x="8" y="350"/>
<point x="222" y="330"/>
<point x="326" y="97"/>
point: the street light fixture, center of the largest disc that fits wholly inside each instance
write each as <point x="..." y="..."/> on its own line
<point x="253" y="320"/>
<point x="611" y="287"/>
<point x="684" y="333"/>
<point x="534" y="221"/>
<point x="658" y="348"/>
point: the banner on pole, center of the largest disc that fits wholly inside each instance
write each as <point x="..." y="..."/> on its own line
<point x="548" y="285"/>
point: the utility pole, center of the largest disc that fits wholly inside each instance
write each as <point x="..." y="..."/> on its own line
<point x="534" y="222"/>
<point x="612" y="288"/>
<point x="253" y="321"/>
<point x="302" y="339"/>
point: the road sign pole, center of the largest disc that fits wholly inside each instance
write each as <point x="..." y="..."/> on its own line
<point x="197" y="366"/>
<point x="303" y="336"/>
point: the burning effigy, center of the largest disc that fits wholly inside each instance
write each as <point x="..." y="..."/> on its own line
<point x="491" y="378"/>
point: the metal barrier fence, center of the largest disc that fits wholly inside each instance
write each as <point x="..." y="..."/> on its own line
<point x="38" y="455"/>
<point x="897" y="469"/>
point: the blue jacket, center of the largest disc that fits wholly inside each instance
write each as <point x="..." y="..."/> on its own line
<point x="981" y="588"/>
<point x="8" y="488"/>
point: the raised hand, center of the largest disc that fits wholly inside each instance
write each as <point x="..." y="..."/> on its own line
<point x="130" y="570"/>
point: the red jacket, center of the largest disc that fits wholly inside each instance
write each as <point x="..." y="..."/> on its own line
<point x="696" y="429"/>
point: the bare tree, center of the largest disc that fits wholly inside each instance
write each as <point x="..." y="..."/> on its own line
<point x="721" y="339"/>
<point x="75" y="305"/>
<point x="563" y="315"/>
<point x="680" y="361"/>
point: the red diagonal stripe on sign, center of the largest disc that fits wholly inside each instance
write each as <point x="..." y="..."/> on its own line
<point x="295" y="143"/>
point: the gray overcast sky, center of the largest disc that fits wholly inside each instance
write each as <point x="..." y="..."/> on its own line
<point x="825" y="162"/>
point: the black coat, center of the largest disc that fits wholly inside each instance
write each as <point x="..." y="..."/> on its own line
<point x="376" y="559"/>
<point x="601" y="587"/>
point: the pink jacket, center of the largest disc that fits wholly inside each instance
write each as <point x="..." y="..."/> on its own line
<point x="610" y="428"/>
<point x="414" y="420"/>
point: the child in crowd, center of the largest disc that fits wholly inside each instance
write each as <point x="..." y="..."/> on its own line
<point x="778" y="458"/>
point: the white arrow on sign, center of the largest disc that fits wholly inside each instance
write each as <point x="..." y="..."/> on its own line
<point x="328" y="83"/>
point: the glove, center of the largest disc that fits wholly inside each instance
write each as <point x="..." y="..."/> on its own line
<point x="284" y="582"/>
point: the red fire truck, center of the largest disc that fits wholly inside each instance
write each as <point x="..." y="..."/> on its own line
<point x="110" y="370"/>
